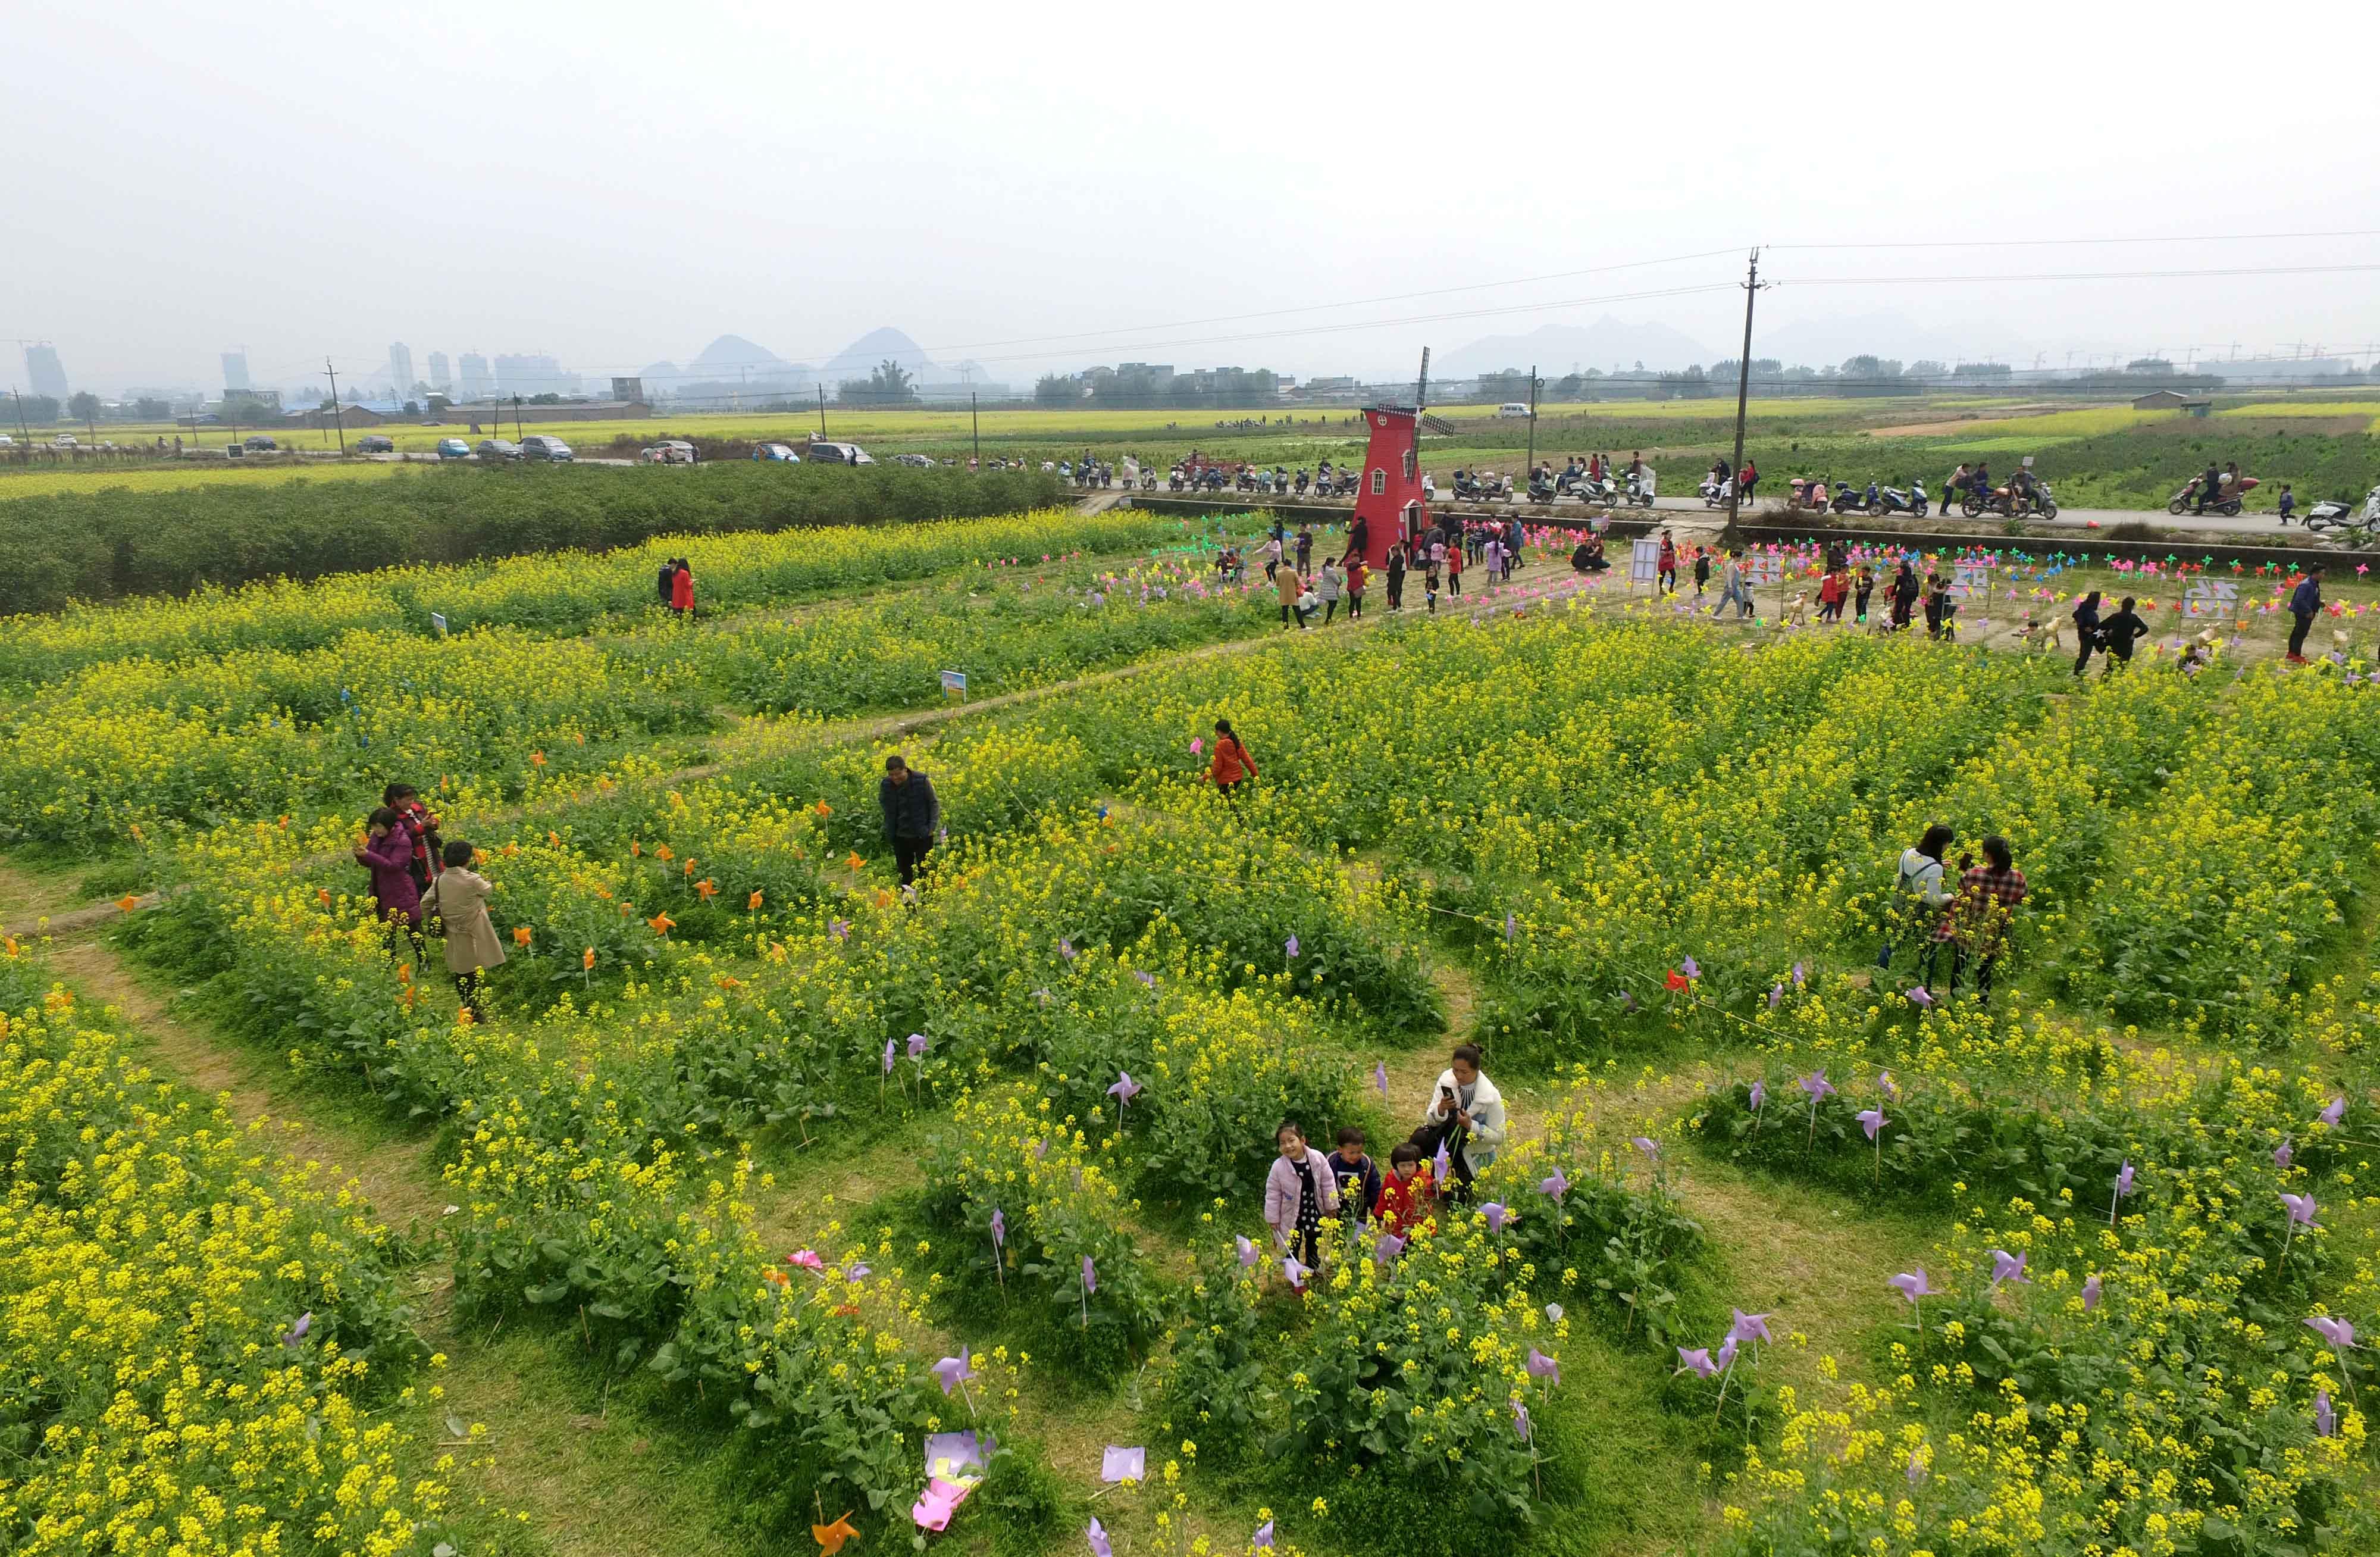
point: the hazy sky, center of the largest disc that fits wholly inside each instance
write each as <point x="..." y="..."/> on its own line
<point x="617" y="184"/>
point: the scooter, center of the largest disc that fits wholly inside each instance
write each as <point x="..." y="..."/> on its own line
<point x="1148" y="481"/>
<point x="2331" y="514"/>
<point x="2186" y="500"/>
<point x="1541" y="490"/>
<point x="1911" y="502"/>
<point x="1640" y="489"/>
<point x="1806" y="492"/>
<point x="2004" y="502"/>
<point x="1715" y="493"/>
<point x="1175" y="482"/>
<point x="1301" y="483"/>
<point x="1869" y="501"/>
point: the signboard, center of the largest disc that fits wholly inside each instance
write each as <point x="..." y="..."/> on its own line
<point x="1763" y="568"/>
<point x="1971" y="579"/>
<point x="2212" y="597"/>
<point x="954" y="683"/>
<point x="1643" y="561"/>
<point x="438" y="624"/>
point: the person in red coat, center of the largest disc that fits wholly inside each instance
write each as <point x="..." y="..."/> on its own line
<point x="1231" y="764"/>
<point x="682" y="590"/>
<point x="1408" y="1194"/>
<point x="387" y="851"/>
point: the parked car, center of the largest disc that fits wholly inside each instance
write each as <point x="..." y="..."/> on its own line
<point x="499" y="448"/>
<point x="257" y="443"/>
<point x="453" y="448"/>
<point x="64" y="441"/>
<point x="779" y="452"/>
<point x="7" y="441"/>
<point x="375" y="443"/>
<point x="838" y="454"/>
<point x="537" y="446"/>
<point x="669" y="451"/>
<point x="918" y="459"/>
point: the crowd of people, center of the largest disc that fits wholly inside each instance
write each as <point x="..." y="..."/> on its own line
<point x="424" y="884"/>
<point x="1463" y="1126"/>
<point x="1440" y="553"/>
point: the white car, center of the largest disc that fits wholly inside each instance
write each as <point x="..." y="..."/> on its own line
<point x="64" y="441"/>
<point x="669" y="451"/>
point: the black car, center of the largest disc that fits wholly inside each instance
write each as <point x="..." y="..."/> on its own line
<point x="376" y="442"/>
<point x="498" y="448"/>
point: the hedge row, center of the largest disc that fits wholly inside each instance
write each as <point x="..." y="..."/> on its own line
<point x="116" y="542"/>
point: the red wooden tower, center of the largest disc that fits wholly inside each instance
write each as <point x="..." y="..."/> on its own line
<point x="1389" y="506"/>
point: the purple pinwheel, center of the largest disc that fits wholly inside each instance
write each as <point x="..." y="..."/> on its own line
<point x="916" y="1046"/>
<point x="1247" y="1253"/>
<point x="1040" y="1150"/>
<point x="297" y="1333"/>
<point x="1090" y="1277"/>
<point x="2339" y="1333"/>
<point x="1750" y="1327"/>
<point x="839" y="928"/>
<point x="2334" y="1112"/>
<point x="1913" y="1284"/>
<point x="2283" y="1152"/>
<point x="1646" y="1145"/>
<point x="2302" y="1209"/>
<point x="1262" y="1539"/>
<point x="857" y="1272"/>
<point x="1725" y="1356"/>
<point x="1125" y="1089"/>
<point x="1148" y="979"/>
<point x="1521" y="1420"/>
<point x="1554" y="1183"/>
<point x="2090" y="1292"/>
<point x="1818" y="1086"/>
<point x="1775" y="996"/>
<point x="1388" y="1249"/>
<point x="1628" y="1002"/>
<point x="953" y="1371"/>
<point x="2006" y="1267"/>
<point x="1759" y="1095"/>
<point x="1380" y="1076"/>
<point x="1697" y="1361"/>
<point x="1888" y="1086"/>
<point x="1497" y="1213"/>
<point x="1798" y="975"/>
<point x="2325" y="1420"/>
<point x="1872" y="1121"/>
<point x="1295" y="1270"/>
<point x="998" y="1228"/>
<point x="1508" y="927"/>
<point x="1066" y="949"/>
<point x="1097" y="1537"/>
<point x="1440" y="1164"/>
<point x="1916" y="1470"/>
<point x="2123" y="1187"/>
<point x="1690" y="968"/>
<point x="1290" y="946"/>
<point x="891" y="1048"/>
<point x="1543" y="1366"/>
<point x="1918" y="995"/>
<point x="1124" y="1464"/>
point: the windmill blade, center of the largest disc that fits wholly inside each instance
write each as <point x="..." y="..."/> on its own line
<point x="1438" y="425"/>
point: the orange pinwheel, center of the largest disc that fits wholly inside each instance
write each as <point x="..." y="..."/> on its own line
<point x="588" y="961"/>
<point x="854" y="860"/>
<point x="705" y="889"/>
<point x="128" y="902"/>
<point x="405" y="973"/>
<point x="660" y="923"/>
<point x="636" y="847"/>
<point x="552" y="839"/>
<point x="689" y="865"/>
<point x="823" y="808"/>
<point x="752" y="902"/>
<point x="537" y="759"/>
<point x="831" y="1537"/>
<point x="664" y="853"/>
<point x="463" y="1018"/>
<point x="520" y="935"/>
<point x="324" y="895"/>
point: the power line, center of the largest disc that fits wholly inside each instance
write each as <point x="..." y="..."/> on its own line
<point x="2077" y="275"/>
<point x="2055" y="242"/>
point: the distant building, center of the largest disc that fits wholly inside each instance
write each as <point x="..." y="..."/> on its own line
<point x="2172" y="400"/>
<point x="628" y="389"/>
<point x="235" y="369"/>
<point x="478" y="383"/>
<point x="442" y="378"/>
<point x="526" y="374"/>
<point x="400" y="368"/>
<point x="48" y="375"/>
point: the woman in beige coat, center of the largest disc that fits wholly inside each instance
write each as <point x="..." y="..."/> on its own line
<point x="459" y="900"/>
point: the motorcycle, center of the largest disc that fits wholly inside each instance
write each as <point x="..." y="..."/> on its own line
<point x="1541" y="490"/>
<point x="2186" y="500"/>
<point x="1175" y="482"/>
<point x="2004" y="502"/>
<point x="1493" y="487"/>
<point x="1148" y="481"/>
<point x="1806" y="492"/>
<point x="1301" y="483"/>
<point x="1247" y="480"/>
<point x="1911" y="502"/>
<point x="2331" y="514"/>
<point x="1715" y="494"/>
<point x="1640" y="489"/>
<point x="1870" y="502"/>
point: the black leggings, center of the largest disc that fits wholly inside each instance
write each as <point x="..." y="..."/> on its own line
<point x="470" y="987"/>
<point x="1396" y="591"/>
<point x="2298" y="633"/>
<point x="1454" y="585"/>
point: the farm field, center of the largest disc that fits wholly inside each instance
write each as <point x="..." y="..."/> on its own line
<point x="767" y="1176"/>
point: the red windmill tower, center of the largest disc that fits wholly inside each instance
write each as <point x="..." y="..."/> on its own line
<point x="1388" y="505"/>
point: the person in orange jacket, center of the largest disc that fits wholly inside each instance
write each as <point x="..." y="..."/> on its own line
<point x="1231" y="763"/>
<point x="1408" y="1194"/>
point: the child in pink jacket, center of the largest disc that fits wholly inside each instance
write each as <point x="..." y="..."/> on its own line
<point x="1299" y="1192"/>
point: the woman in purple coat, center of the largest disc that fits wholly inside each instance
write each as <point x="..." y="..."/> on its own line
<point x="387" y="853"/>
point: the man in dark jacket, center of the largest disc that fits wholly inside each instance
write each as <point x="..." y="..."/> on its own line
<point x="913" y="814"/>
<point x="2119" y="632"/>
<point x="2304" y="601"/>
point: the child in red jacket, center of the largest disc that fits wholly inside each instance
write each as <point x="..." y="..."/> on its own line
<point x="1408" y="1196"/>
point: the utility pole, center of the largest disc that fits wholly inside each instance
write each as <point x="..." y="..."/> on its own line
<point x="822" y="389"/>
<point x="22" y="431"/>
<point x="337" y="416"/>
<point x="517" y="426"/>
<point x="1530" y="467"/>
<point x="975" y="422"/>
<point x="1743" y="388"/>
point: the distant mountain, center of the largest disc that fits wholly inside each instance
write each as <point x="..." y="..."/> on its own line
<point x="730" y="355"/>
<point x="863" y="355"/>
<point x="1606" y="343"/>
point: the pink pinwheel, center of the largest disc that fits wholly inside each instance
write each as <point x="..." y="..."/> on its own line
<point x="1697" y="1361"/>
<point x="1124" y="1464"/>
<point x="953" y="1371"/>
<point x="1097" y="1537"/>
<point x="2006" y="1267"/>
<point x="806" y="1259"/>
<point x="1918" y="995"/>
<point x="1197" y="745"/>
<point x="998" y="1228"/>
<point x="2091" y="1294"/>
<point x="1543" y="1366"/>
<point x="1497" y="1213"/>
<point x="2339" y="1333"/>
<point x="1554" y="1183"/>
<point x="1123" y="1090"/>
<point x="2326" y="1419"/>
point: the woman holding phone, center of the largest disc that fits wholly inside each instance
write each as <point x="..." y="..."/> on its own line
<point x="1466" y="1116"/>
